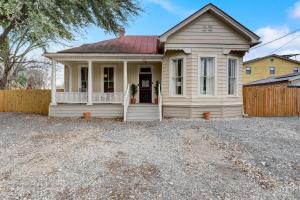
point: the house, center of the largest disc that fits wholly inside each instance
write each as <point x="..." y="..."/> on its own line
<point x="291" y="80"/>
<point x="272" y="65"/>
<point x="198" y="63"/>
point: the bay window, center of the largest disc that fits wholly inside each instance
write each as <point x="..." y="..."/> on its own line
<point x="207" y="75"/>
<point x="177" y="77"/>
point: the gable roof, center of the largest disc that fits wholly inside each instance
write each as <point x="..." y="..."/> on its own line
<point x="276" y="79"/>
<point x="272" y="56"/>
<point x="123" y="44"/>
<point x="210" y="7"/>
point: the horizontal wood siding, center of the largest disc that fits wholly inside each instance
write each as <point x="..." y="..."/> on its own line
<point x="101" y="111"/>
<point x="197" y="111"/>
<point x="207" y="29"/>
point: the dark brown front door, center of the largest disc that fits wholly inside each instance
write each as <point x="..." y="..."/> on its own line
<point x="145" y="86"/>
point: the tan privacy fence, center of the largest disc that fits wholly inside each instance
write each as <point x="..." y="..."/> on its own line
<point x="271" y="101"/>
<point x="26" y="101"/>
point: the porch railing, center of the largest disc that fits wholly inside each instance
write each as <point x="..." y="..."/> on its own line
<point x="82" y="97"/>
<point x="126" y="102"/>
<point x="159" y="102"/>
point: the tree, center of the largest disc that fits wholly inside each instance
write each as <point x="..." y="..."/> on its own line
<point x="57" y="19"/>
<point x="14" y="57"/>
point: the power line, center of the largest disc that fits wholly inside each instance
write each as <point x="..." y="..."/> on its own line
<point x="285" y="44"/>
<point x="295" y="31"/>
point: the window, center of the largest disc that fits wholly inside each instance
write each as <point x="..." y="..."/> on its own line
<point x="248" y="70"/>
<point x="272" y="70"/>
<point x="207" y="71"/>
<point x="232" y="71"/>
<point x="84" y="79"/>
<point x="108" y="73"/>
<point x="177" y="76"/>
<point x="296" y="69"/>
<point x="145" y="70"/>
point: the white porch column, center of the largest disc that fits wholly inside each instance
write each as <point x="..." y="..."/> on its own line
<point x="53" y="84"/>
<point x="125" y="76"/>
<point x="70" y="78"/>
<point x="90" y="83"/>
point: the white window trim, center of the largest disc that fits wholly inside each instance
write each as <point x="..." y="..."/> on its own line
<point x="215" y="74"/>
<point x="237" y="76"/>
<point x="79" y="75"/>
<point x="102" y="76"/>
<point x="250" y="71"/>
<point x="183" y="57"/>
<point x="270" y="70"/>
<point x="145" y="66"/>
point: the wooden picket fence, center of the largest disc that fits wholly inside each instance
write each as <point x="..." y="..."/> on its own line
<point x="26" y="101"/>
<point x="271" y="101"/>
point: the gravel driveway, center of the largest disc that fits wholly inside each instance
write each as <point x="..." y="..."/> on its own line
<point x="254" y="158"/>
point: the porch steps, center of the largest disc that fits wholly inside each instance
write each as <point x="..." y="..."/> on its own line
<point x="143" y="112"/>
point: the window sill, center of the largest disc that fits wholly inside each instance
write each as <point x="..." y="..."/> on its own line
<point x="177" y="96"/>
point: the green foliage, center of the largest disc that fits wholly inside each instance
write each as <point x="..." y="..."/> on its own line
<point x="57" y="19"/>
<point x="133" y="90"/>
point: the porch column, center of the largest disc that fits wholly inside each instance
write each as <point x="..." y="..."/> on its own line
<point x="53" y="84"/>
<point x="90" y="83"/>
<point x="125" y="76"/>
<point x="70" y="78"/>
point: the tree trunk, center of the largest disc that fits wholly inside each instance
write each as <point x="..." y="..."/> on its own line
<point x="4" y="81"/>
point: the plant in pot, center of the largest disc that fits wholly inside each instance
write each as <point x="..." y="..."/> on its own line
<point x="156" y="88"/>
<point x="133" y="91"/>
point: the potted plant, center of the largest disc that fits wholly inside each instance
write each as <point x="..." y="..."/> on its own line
<point x="133" y="91"/>
<point x="206" y="115"/>
<point x="156" y="88"/>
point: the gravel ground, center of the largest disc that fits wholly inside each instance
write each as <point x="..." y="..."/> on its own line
<point x="46" y="158"/>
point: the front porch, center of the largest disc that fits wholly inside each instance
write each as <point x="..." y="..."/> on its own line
<point x="108" y="95"/>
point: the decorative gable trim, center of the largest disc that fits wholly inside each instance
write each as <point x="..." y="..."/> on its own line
<point x="210" y="7"/>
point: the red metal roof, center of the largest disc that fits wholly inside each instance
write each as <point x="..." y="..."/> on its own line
<point x="123" y="44"/>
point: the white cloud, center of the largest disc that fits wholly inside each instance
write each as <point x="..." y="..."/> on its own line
<point x="286" y="45"/>
<point x="171" y="7"/>
<point x="295" y="10"/>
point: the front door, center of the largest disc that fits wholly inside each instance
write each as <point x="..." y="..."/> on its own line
<point x="145" y="85"/>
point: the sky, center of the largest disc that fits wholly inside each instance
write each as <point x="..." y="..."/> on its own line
<point x="269" y="19"/>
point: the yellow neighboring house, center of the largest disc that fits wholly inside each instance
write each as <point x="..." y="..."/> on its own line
<point x="264" y="67"/>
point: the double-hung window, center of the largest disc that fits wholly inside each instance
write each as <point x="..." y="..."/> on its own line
<point x="272" y="70"/>
<point x="108" y="73"/>
<point x="232" y="72"/>
<point x="296" y="69"/>
<point x="248" y="70"/>
<point x="207" y="75"/>
<point x="177" y="76"/>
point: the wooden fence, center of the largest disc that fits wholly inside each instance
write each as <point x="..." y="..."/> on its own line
<point x="26" y="101"/>
<point x="271" y="101"/>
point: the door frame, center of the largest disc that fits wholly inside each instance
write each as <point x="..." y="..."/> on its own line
<point x="139" y="72"/>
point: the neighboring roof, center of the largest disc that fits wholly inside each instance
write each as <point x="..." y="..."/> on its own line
<point x="275" y="79"/>
<point x="272" y="56"/>
<point x="210" y="7"/>
<point x="123" y="44"/>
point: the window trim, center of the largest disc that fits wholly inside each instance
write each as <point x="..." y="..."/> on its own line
<point x="145" y="66"/>
<point x="295" y="68"/>
<point x="183" y="57"/>
<point x="215" y="74"/>
<point x="270" y="70"/>
<point x="237" y="76"/>
<point x="102" y="76"/>
<point x="250" y="70"/>
<point x="79" y="76"/>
